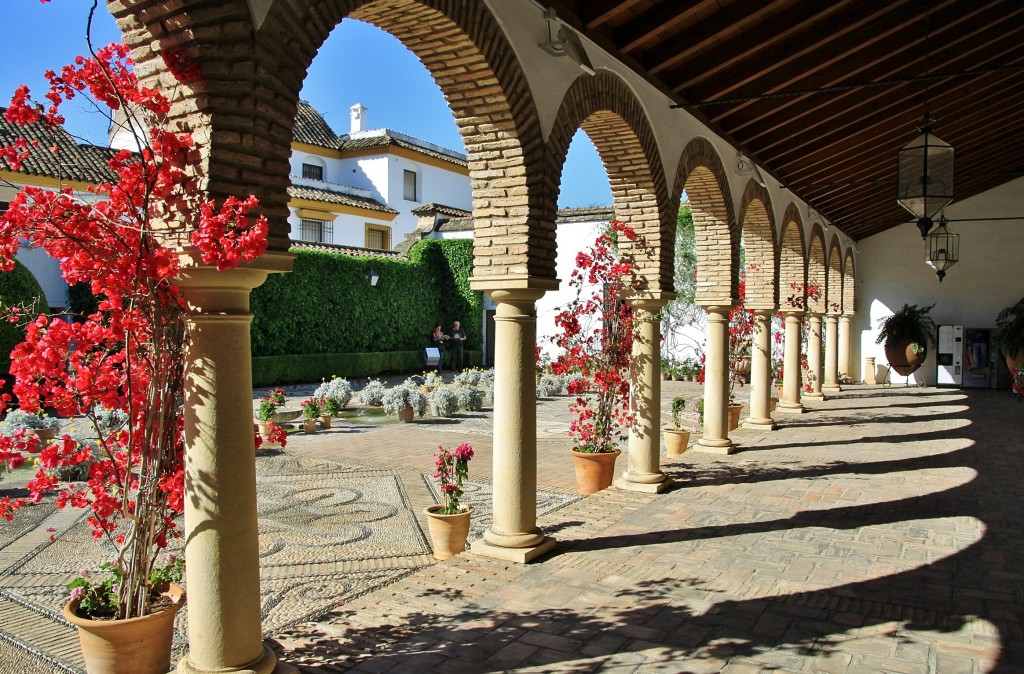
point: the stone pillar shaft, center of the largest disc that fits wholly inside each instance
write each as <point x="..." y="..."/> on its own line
<point x="845" y="364"/>
<point x="221" y="534"/>
<point x="760" y="372"/>
<point x="814" y="356"/>
<point x="513" y="534"/>
<point x="791" y="383"/>
<point x="642" y="470"/>
<point x="716" y="384"/>
<point x="831" y="383"/>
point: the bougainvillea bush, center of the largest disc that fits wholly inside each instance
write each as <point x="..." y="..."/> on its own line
<point x="129" y="355"/>
<point x="595" y="340"/>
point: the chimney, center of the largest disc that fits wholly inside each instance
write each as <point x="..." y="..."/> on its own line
<point x="357" y="114"/>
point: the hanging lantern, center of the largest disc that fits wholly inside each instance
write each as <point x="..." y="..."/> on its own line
<point x="943" y="249"/>
<point x="925" y="181"/>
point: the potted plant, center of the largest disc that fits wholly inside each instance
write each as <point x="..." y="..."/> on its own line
<point x="448" y="522"/>
<point x="470" y="398"/>
<point x="310" y="413"/>
<point x="329" y="408"/>
<point x="677" y="437"/>
<point x="1009" y="335"/>
<point x="373" y="393"/>
<point x="337" y="390"/>
<point x="404" y="400"/>
<point x="129" y="354"/>
<point x="595" y="338"/>
<point x="271" y="434"/>
<point x="444" y="401"/>
<point x="43" y="426"/>
<point x="1017" y="385"/>
<point x="906" y="336"/>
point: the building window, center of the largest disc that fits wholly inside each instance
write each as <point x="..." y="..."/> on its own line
<point x="312" y="171"/>
<point x="317" y="231"/>
<point x="378" y="237"/>
<point x="410" y="186"/>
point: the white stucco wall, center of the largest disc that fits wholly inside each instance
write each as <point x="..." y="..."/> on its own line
<point x="433" y="185"/>
<point x="989" y="276"/>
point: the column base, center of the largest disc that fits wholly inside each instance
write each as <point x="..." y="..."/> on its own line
<point x="268" y="664"/>
<point x="760" y="424"/>
<point x="831" y="389"/>
<point x="813" y="397"/>
<point x="714" y="446"/>
<point x="516" y="555"/>
<point x="626" y="484"/>
<point x="788" y="408"/>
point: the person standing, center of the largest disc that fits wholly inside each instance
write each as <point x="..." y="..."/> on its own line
<point x="456" y="339"/>
<point x="438" y="340"/>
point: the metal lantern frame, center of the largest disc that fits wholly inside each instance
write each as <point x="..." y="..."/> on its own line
<point x="925" y="176"/>
<point x="943" y="249"/>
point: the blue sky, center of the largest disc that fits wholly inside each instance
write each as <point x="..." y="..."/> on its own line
<point x="358" y="63"/>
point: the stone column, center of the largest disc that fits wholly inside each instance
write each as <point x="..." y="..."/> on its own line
<point x="814" y="357"/>
<point x="644" y="457"/>
<point x="791" y="383"/>
<point x="760" y="373"/>
<point x="513" y="534"/>
<point x="831" y="383"/>
<point x="845" y="343"/>
<point x="221" y="536"/>
<point x="716" y="384"/>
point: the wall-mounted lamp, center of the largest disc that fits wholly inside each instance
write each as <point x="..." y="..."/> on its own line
<point x="372" y="276"/>
<point x="745" y="167"/>
<point x="563" y="41"/>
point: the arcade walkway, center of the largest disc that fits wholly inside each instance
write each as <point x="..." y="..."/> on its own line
<point x="880" y="532"/>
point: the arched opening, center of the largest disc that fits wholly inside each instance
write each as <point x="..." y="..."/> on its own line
<point x="816" y="277"/>
<point x="834" y="275"/>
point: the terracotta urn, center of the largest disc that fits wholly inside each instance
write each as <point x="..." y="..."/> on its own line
<point x="325" y="421"/>
<point x="734" y="416"/>
<point x="594" y="470"/>
<point x="902" y="357"/>
<point x="406" y="416"/>
<point x="676" y="441"/>
<point x="132" y="646"/>
<point x="448" y="533"/>
<point x="309" y="425"/>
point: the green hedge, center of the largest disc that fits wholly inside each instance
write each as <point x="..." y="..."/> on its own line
<point x="17" y="286"/>
<point x="312" y="367"/>
<point x="325" y="311"/>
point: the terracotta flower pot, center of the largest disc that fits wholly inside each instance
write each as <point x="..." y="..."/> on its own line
<point x="902" y="357"/>
<point x="734" y="416"/>
<point x="309" y="425"/>
<point x="447" y="532"/>
<point x="265" y="434"/>
<point x="594" y="470"/>
<point x="773" y="402"/>
<point x="133" y="646"/>
<point x="45" y="433"/>
<point x="1013" y="362"/>
<point x="325" y="420"/>
<point x="676" y="442"/>
<point x="406" y="416"/>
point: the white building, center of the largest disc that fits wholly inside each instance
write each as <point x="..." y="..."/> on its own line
<point x="361" y="188"/>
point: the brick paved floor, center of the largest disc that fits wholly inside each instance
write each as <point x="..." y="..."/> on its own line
<point x="880" y="532"/>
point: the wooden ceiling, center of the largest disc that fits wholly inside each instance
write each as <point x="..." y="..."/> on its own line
<point x="823" y="94"/>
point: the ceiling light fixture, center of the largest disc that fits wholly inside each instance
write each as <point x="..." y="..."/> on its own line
<point x="943" y="248"/>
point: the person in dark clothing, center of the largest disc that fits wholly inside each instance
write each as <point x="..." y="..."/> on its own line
<point x="439" y="340"/>
<point x="456" y="340"/>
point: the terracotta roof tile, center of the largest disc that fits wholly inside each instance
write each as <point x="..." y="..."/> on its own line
<point x="332" y="197"/>
<point x="345" y="250"/>
<point x="87" y="163"/>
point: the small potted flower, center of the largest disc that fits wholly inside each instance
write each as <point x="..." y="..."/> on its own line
<point x="677" y="437"/>
<point x="1017" y="385"/>
<point x="404" y="400"/>
<point x="373" y="393"/>
<point x="271" y="434"/>
<point x="45" y="427"/>
<point x="444" y="401"/>
<point x="448" y="522"/>
<point x="329" y="408"/>
<point x="337" y="390"/>
<point x="310" y="412"/>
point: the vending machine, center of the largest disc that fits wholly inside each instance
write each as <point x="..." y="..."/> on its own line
<point x="979" y="358"/>
<point x="949" y="356"/>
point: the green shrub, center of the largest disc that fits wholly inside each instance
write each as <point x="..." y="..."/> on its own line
<point x="17" y="286"/>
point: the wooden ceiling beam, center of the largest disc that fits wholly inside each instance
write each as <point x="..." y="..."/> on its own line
<point x="645" y="28"/>
<point x="596" y="13"/>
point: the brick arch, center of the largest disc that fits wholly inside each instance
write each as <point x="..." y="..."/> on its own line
<point x="816" y="269"/>
<point x="849" y="283"/>
<point x="760" y="244"/>
<point x="247" y="99"/>
<point x="702" y="175"/>
<point x="613" y="118"/>
<point x="834" y="277"/>
<point x="792" y="261"/>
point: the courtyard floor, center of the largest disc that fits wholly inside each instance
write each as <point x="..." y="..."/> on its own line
<point x="878" y="532"/>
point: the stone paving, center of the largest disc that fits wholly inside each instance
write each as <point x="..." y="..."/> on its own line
<point x="879" y="532"/>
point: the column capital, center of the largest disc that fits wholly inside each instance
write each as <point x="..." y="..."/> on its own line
<point x="791" y="312"/>
<point x="209" y="290"/>
<point x="492" y="284"/>
<point x="515" y="295"/>
<point x="765" y="313"/>
<point x="717" y="308"/>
